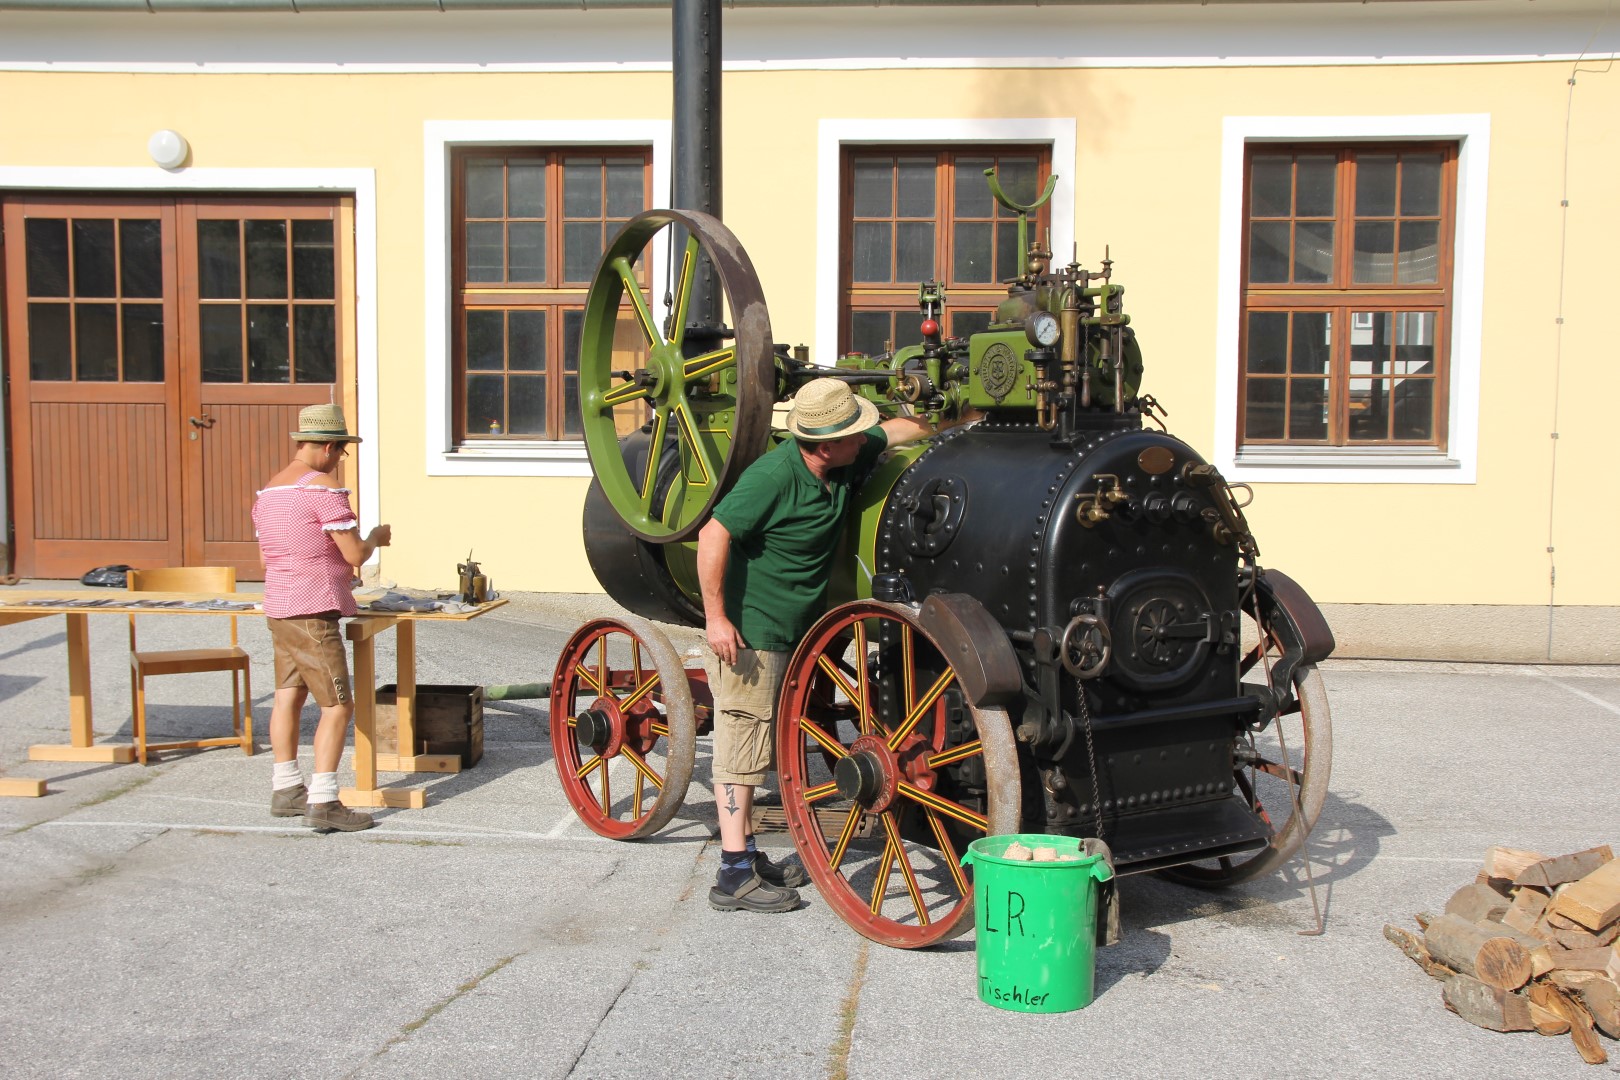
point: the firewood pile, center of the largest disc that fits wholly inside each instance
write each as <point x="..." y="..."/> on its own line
<point x="1530" y="946"/>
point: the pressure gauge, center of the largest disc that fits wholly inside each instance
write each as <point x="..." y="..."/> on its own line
<point x="1041" y="327"/>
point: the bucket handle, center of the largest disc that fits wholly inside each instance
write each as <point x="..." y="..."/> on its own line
<point x="1099" y="867"/>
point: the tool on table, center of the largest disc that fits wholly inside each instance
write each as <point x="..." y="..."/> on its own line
<point x="474" y="586"/>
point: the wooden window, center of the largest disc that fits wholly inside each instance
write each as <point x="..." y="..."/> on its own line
<point x="1347" y="294"/>
<point x="917" y="213"/>
<point x="530" y="226"/>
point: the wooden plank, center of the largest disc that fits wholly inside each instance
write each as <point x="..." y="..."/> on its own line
<point x="1550" y="873"/>
<point x="21" y="789"/>
<point x="1506" y="862"/>
<point x="365" y="712"/>
<point x="399" y="798"/>
<point x="429" y="763"/>
<point x="1594" y="900"/>
<point x="405" y="687"/>
<point x="103" y="752"/>
<point x="1584" y="959"/>
<point x="80" y="721"/>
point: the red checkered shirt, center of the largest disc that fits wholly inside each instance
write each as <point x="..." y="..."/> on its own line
<point x="304" y="572"/>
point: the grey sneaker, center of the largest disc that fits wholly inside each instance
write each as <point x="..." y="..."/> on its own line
<point x="790" y="874"/>
<point x="754" y="895"/>
<point x="325" y="817"/>
<point x="288" y="802"/>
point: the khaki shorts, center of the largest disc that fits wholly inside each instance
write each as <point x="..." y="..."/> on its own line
<point x="309" y="652"/>
<point x="745" y="716"/>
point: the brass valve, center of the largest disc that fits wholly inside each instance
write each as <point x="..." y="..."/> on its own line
<point x="1094" y="505"/>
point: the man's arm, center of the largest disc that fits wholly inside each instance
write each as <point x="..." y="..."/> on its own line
<point x="713" y="555"/>
<point x="356" y="551"/>
<point x="905" y="429"/>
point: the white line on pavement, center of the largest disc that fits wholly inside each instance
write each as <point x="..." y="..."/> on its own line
<point x="1581" y="693"/>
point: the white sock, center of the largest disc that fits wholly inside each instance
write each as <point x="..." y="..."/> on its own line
<point x="323" y="787"/>
<point x="285" y="774"/>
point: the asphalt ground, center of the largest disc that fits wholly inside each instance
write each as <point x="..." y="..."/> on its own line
<point x="158" y="922"/>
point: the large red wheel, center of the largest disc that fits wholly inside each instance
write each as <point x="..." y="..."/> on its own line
<point x="884" y="786"/>
<point x="623" y="729"/>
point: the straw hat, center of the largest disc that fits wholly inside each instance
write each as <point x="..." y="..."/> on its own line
<point x="323" y="423"/>
<point x="826" y="409"/>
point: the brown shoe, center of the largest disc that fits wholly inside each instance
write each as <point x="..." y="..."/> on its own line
<point x="754" y="895"/>
<point x="325" y="817"/>
<point x="288" y="802"/>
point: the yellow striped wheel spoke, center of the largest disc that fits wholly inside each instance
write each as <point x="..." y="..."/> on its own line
<point x="640" y="785"/>
<point x="641" y="691"/>
<point x="588" y="677"/>
<point x="625" y="392"/>
<point x="947" y="851"/>
<point x="642" y="768"/>
<point x="908" y="666"/>
<point x="881" y="886"/>
<point x="707" y="364"/>
<point x="590" y="766"/>
<point x="632" y="289"/>
<point x="825" y="741"/>
<point x="845" y="835"/>
<point x="702" y="452"/>
<point x="659" y="729"/>
<point x="959" y="753"/>
<point x="607" y="798"/>
<point x="950" y="809"/>
<point x="945" y="679"/>
<point x="857" y="698"/>
<point x="863" y="717"/>
<point x="572" y="721"/>
<point x="906" y="872"/>
<point x="820" y="791"/>
<point x="602" y="680"/>
<point x="655" y="453"/>
<point x="683" y="291"/>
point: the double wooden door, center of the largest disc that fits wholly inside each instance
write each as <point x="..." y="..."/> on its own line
<point x="158" y="352"/>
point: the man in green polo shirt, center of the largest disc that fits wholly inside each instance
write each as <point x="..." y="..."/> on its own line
<point x="763" y="562"/>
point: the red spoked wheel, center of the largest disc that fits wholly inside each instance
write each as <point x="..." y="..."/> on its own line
<point x="623" y="729"/>
<point x="886" y="784"/>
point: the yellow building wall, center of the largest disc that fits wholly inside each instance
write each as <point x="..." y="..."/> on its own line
<point x="1148" y="185"/>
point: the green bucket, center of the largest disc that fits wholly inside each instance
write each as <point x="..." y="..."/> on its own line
<point x="1036" y="924"/>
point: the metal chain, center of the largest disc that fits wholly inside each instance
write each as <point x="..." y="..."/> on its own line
<point x="1091" y="756"/>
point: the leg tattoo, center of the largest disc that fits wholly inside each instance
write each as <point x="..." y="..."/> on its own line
<point x="731" y="800"/>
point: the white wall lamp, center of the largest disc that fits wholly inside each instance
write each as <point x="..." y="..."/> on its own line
<point x="168" y="148"/>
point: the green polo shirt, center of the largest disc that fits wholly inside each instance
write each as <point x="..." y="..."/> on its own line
<point x="784" y="528"/>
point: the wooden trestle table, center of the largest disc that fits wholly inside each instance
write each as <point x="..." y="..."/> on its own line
<point x="362" y="630"/>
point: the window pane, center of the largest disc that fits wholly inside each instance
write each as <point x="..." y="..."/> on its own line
<point x="1009" y="260"/>
<point x="46" y="241"/>
<point x="486" y="404"/>
<point x="872" y="254"/>
<point x="1268" y="343"/>
<point x="1375" y="185"/>
<point x="219" y="273"/>
<point x="1370" y="342"/>
<point x="582" y="188"/>
<point x="967" y="323"/>
<point x="526" y="241"/>
<point x="1307" y="409"/>
<point x="916" y="184"/>
<point x="874" y="196"/>
<point x="527" y="351"/>
<point x="868" y="331"/>
<point x="266" y="259"/>
<point x="1268" y="251"/>
<point x="221" y="342"/>
<point x="1420" y="252"/>
<point x="972" y="252"/>
<point x="314" y="261"/>
<point x="1375" y="251"/>
<point x="1414" y="343"/>
<point x="486" y="252"/>
<point x="484" y="177"/>
<point x="907" y="328"/>
<point x="1369" y="409"/>
<point x="1316" y="177"/>
<point x="528" y="415"/>
<point x="267" y="344"/>
<point x="96" y="342"/>
<point x="916" y="240"/>
<point x="1271" y="179"/>
<point x="140" y="260"/>
<point x="315" y="343"/>
<point x="525" y="190"/>
<point x="1312" y="342"/>
<point x="571" y="420"/>
<point x="1420" y="184"/>
<point x="1265" y="402"/>
<point x="1018" y="181"/>
<point x="626" y="192"/>
<point x="582" y="250"/>
<point x="94" y="267"/>
<point x="143" y="342"/>
<point x="486" y="340"/>
<point x="1414" y="408"/>
<point x="1313" y="251"/>
<point x="50" y="345"/>
<point x="973" y="198"/>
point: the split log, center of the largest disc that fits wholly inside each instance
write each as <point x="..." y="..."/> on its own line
<point x="1550" y="873"/>
<point x="1506" y="862"/>
<point x="1594" y="900"/>
<point x="1597" y="992"/>
<point x="1489" y="957"/>
<point x="1423" y="919"/>
<point x="1546" y="1021"/>
<point x="1476" y="902"/>
<point x="1575" y="939"/>
<point x="1598" y="960"/>
<point x="1412" y="945"/>
<point x="1553" y="999"/>
<point x="1528" y="906"/>
<point x="1486" y="1006"/>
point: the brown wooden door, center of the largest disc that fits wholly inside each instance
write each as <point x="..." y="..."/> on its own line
<point x="159" y="350"/>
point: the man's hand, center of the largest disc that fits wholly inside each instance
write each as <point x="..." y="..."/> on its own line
<point x="724" y="639"/>
<point x="381" y="536"/>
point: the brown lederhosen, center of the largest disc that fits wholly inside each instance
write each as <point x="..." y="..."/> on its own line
<point x="309" y="652"/>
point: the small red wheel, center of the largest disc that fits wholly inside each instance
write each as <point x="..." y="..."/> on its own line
<point x="884" y="786"/>
<point x="623" y="732"/>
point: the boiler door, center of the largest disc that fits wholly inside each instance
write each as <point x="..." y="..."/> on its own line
<point x="1163" y="626"/>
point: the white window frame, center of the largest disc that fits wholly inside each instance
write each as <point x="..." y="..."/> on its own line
<point x="1057" y="133"/>
<point x="509" y="457"/>
<point x="1458" y="462"/>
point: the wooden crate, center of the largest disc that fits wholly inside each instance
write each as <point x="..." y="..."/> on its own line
<point x="449" y="720"/>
